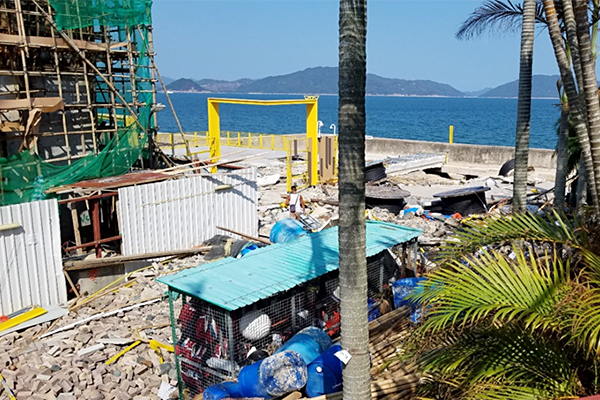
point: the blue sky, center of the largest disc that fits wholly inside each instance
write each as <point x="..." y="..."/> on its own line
<point x="406" y="39"/>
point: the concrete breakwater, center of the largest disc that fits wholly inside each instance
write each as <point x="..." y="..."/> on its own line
<point x="457" y="152"/>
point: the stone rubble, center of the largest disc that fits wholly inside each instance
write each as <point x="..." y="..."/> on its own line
<point x="71" y="364"/>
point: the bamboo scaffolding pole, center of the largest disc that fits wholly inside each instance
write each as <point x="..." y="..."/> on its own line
<point x="166" y="92"/>
<point x="60" y="92"/>
<point x="88" y="62"/>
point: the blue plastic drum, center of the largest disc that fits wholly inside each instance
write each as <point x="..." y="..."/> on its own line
<point x="222" y="391"/>
<point x="325" y="373"/>
<point x="309" y="343"/>
<point x="274" y="376"/>
<point x="286" y="230"/>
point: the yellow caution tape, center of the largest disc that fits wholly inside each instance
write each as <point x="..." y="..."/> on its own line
<point x="9" y="392"/>
<point x="119" y="354"/>
<point x="156" y="346"/>
<point x="36" y="312"/>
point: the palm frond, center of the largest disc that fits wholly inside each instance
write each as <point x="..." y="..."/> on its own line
<point x="496" y="16"/>
<point x="586" y="321"/>
<point x="486" y="362"/>
<point x="553" y="228"/>
<point x="494" y="286"/>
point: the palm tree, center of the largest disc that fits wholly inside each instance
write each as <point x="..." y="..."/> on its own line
<point x="506" y="16"/>
<point x="352" y="226"/>
<point x="519" y="324"/>
<point x="524" y="106"/>
<point x="561" y="154"/>
<point x="578" y="108"/>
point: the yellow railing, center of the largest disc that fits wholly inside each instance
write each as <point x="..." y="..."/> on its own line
<point x="295" y="146"/>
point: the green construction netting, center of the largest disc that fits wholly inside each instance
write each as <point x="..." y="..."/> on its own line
<point x="71" y="14"/>
<point x="25" y="177"/>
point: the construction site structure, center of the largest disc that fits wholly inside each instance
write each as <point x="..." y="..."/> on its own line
<point x="77" y="91"/>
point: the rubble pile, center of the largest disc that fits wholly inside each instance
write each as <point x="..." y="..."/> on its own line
<point x="72" y="363"/>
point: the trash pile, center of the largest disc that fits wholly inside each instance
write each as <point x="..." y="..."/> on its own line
<point x="114" y="344"/>
<point x="309" y="365"/>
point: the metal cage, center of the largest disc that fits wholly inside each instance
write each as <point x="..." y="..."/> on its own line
<point x="212" y="344"/>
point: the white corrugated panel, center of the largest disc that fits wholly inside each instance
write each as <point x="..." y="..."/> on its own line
<point x="184" y="212"/>
<point x="30" y="257"/>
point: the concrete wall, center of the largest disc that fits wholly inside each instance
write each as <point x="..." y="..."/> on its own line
<point x="457" y="153"/>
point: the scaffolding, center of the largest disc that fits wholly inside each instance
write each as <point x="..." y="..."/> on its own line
<point x="76" y="89"/>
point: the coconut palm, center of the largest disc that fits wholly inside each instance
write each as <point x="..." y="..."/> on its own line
<point x="524" y="106"/>
<point x="495" y="15"/>
<point x="561" y="154"/>
<point x="510" y="321"/>
<point x="581" y="110"/>
<point x="352" y="226"/>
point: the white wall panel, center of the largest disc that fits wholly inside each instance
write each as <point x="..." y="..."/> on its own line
<point x="30" y="257"/>
<point x="184" y="212"/>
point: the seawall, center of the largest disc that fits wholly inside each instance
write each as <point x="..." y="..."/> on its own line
<point x="457" y="152"/>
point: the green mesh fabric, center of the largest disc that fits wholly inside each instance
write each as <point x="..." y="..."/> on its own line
<point x="71" y="14"/>
<point x="25" y="177"/>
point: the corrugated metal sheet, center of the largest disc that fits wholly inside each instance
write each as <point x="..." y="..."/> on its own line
<point x="233" y="283"/>
<point x="30" y="257"/>
<point x="182" y="213"/>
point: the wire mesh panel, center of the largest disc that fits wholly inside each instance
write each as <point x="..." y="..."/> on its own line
<point x="213" y="344"/>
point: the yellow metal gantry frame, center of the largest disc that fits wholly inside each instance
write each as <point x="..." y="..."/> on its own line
<point x="214" y="127"/>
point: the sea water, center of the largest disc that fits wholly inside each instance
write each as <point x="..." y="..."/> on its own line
<point x="475" y="120"/>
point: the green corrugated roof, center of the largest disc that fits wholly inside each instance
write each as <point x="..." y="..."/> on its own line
<point x="233" y="283"/>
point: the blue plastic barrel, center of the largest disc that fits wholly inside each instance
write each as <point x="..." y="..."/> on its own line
<point x="286" y="230"/>
<point x="309" y="343"/>
<point x="404" y="287"/>
<point x="373" y="309"/>
<point x="222" y="391"/>
<point x="283" y="373"/>
<point x="325" y="373"/>
<point x="274" y="376"/>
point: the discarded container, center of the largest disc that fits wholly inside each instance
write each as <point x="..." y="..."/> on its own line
<point x="325" y="373"/>
<point x="255" y="325"/>
<point x="373" y="309"/>
<point x="404" y="287"/>
<point x="309" y="343"/>
<point x="222" y="391"/>
<point x="274" y="376"/>
<point x="286" y="230"/>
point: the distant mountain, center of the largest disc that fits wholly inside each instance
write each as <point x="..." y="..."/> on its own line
<point x="324" y="80"/>
<point x="185" y="85"/>
<point x="478" y="93"/>
<point x="541" y="86"/>
<point x="319" y="80"/>
<point x="167" y="80"/>
<point x="377" y="85"/>
<point x="218" y="86"/>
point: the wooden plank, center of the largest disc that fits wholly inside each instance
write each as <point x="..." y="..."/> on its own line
<point x="253" y="238"/>
<point x="103" y="262"/>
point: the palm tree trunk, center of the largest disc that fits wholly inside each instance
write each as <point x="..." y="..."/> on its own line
<point x="591" y="95"/>
<point x="561" y="158"/>
<point x="524" y="107"/>
<point x="571" y="29"/>
<point x="575" y="106"/>
<point x="582" y="186"/>
<point x="352" y="226"/>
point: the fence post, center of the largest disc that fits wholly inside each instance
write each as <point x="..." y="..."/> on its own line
<point x="286" y="145"/>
